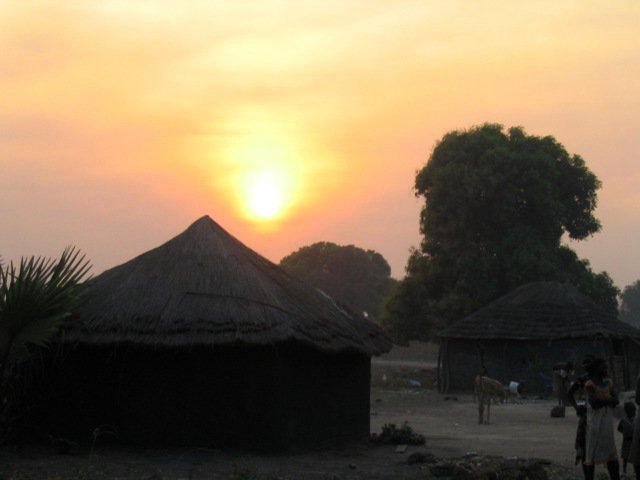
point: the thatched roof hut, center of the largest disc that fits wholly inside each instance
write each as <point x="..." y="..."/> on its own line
<point x="521" y="335"/>
<point x="204" y="287"/>
<point x="220" y="345"/>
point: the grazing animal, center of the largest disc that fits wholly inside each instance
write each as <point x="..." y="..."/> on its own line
<point x="497" y="397"/>
<point x="488" y="389"/>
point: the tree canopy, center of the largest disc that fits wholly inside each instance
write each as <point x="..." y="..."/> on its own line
<point x="359" y="279"/>
<point x="630" y="304"/>
<point x="496" y="206"/>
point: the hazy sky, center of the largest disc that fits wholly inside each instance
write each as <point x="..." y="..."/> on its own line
<point x="122" y="122"/>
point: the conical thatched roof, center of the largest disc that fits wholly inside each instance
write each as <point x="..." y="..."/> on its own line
<point x="540" y="310"/>
<point x="204" y="287"/>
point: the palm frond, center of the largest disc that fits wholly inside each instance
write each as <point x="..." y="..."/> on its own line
<point x="35" y="298"/>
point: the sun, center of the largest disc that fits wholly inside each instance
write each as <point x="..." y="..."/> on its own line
<point x="266" y="194"/>
<point x="261" y="172"/>
<point x="266" y="180"/>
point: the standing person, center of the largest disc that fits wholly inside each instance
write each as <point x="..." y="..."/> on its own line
<point x="634" y="451"/>
<point x="625" y="427"/>
<point x="561" y="373"/>
<point x="581" y="411"/>
<point x="600" y="442"/>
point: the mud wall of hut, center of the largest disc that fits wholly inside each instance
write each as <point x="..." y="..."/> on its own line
<point x="262" y="398"/>
<point x="528" y="362"/>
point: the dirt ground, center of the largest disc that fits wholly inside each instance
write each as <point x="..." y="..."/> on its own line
<point x="450" y="426"/>
<point x="449" y="423"/>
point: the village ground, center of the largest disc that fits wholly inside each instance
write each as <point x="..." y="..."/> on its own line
<point x="402" y="391"/>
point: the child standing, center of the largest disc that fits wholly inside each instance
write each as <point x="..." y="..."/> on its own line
<point x="626" y="428"/>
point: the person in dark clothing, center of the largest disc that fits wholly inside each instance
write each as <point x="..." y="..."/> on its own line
<point x="634" y="451"/>
<point x="561" y="373"/>
<point x="581" y="411"/>
<point x="625" y="427"/>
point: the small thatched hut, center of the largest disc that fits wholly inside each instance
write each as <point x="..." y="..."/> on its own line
<point x="203" y="342"/>
<point x="523" y="334"/>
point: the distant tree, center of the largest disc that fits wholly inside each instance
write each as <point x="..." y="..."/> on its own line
<point x="359" y="279"/>
<point x="497" y="205"/>
<point x="630" y="304"/>
<point x="407" y="313"/>
<point x="36" y="297"/>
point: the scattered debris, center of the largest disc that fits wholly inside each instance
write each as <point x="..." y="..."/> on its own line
<point x="488" y="468"/>
<point x="401" y="448"/>
<point x="451" y="397"/>
<point x="442" y="469"/>
<point x="397" y="436"/>
<point x="421" y="457"/>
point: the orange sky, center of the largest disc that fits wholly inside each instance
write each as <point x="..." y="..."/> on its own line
<point x="122" y="122"/>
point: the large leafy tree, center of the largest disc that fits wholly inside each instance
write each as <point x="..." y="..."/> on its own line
<point x="496" y="206"/>
<point x="36" y="297"/>
<point x="357" y="278"/>
<point x="630" y="304"/>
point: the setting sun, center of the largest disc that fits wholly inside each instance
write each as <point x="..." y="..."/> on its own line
<point x="263" y="174"/>
<point x="266" y="193"/>
<point x="265" y="177"/>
